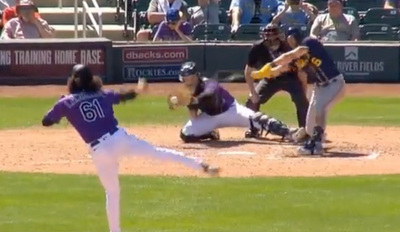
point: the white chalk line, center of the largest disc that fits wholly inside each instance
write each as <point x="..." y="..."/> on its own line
<point x="58" y="162"/>
<point x="236" y="153"/>
<point x="275" y="155"/>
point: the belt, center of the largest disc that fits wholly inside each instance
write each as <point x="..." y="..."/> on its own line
<point x="98" y="141"/>
<point x="326" y="83"/>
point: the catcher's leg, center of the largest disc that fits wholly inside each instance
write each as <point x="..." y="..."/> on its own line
<point x="200" y="129"/>
<point x="265" y="91"/>
<point x="106" y="163"/>
<point x="323" y="99"/>
<point x="240" y="116"/>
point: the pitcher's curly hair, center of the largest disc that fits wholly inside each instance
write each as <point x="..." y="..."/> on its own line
<point x="82" y="80"/>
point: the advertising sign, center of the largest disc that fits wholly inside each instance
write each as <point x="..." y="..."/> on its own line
<point x="159" y="72"/>
<point x="51" y="61"/>
<point x="360" y="63"/>
<point x="153" y="63"/>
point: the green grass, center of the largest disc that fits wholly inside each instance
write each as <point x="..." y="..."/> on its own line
<point x="71" y="203"/>
<point x="25" y="112"/>
<point x="65" y="203"/>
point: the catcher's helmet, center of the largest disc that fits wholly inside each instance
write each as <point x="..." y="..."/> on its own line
<point x="187" y="68"/>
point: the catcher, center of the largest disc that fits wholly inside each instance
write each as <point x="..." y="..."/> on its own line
<point x="211" y="107"/>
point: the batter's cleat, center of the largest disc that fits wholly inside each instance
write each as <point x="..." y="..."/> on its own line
<point x="215" y="135"/>
<point x="210" y="170"/>
<point x="311" y="148"/>
<point x="252" y="133"/>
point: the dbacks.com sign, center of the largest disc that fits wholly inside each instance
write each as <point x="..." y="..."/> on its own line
<point x="156" y="54"/>
<point x="153" y="63"/>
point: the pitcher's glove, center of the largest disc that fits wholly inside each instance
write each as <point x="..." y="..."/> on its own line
<point x="180" y="97"/>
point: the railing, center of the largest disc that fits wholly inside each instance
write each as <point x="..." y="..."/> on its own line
<point x="86" y="10"/>
<point x="98" y="27"/>
<point x="130" y="17"/>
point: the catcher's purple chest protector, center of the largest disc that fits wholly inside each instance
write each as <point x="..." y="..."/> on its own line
<point x="91" y="114"/>
<point x="216" y="103"/>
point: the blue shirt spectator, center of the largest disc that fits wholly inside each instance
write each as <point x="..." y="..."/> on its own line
<point x="294" y="12"/>
<point x="243" y="11"/>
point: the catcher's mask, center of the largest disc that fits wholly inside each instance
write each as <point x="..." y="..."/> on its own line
<point x="272" y="36"/>
<point x="294" y="37"/>
<point x="82" y="79"/>
<point x="188" y="74"/>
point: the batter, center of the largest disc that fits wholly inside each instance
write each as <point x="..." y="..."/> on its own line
<point x="329" y="84"/>
<point x="213" y="107"/>
<point x="89" y="109"/>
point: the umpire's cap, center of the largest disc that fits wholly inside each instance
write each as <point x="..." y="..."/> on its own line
<point x="296" y="33"/>
<point x="82" y="72"/>
<point x="187" y="68"/>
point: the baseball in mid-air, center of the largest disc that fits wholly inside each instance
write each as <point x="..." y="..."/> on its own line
<point x="174" y="100"/>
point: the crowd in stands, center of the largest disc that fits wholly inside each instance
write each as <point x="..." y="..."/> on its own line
<point x="20" y="19"/>
<point x="177" y="21"/>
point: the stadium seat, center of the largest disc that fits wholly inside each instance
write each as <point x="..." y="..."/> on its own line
<point x="223" y="16"/>
<point x="304" y="28"/>
<point x="376" y="32"/>
<point x="364" y="5"/>
<point x="247" y="32"/>
<point x="382" y="16"/>
<point x="225" y="4"/>
<point x="350" y="11"/>
<point x="212" y="32"/>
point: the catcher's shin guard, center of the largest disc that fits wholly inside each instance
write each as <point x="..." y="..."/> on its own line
<point x="270" y="125"/>
<point x="213" y="135"/>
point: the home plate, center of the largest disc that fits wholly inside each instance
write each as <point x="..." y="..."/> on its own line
<point x="236" y="153"/>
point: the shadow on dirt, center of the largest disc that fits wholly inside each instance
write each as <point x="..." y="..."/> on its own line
<point x="235" y="143"/>
<point x="333" y="154"/>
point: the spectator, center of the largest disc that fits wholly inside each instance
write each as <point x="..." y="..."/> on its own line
<point x="294" y="11"/>
<point x="173" y="28"/>
<point x="391" y="4"/>
<point x="244" y="11"/>
<point x="27" y="25"/>
<point x="334" y="25"/>
<point x="156" y="14"/>
<point x="312" y="7"/>
<point x="10" y="12"/>
<point x="207" y="11"/>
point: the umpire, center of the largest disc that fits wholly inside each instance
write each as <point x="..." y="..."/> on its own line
<point x="271" y="46"/>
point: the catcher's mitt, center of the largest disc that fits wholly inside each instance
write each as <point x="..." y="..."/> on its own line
<point x="179" y="97"/>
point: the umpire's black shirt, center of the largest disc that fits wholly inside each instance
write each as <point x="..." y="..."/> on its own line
<point x="260" y="55"/>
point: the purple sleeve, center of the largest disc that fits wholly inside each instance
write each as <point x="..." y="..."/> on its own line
<point x="113" y="97"/>
<point x="160" y="30"/>
<point x="210" y="89"/>
<point x="186" y="28"/>
<point x="56" y="113"/>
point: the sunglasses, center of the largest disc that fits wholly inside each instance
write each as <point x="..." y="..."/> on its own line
<point x="26" y="8"/>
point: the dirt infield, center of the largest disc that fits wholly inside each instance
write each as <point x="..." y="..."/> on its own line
<point x="353" y="150"/>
